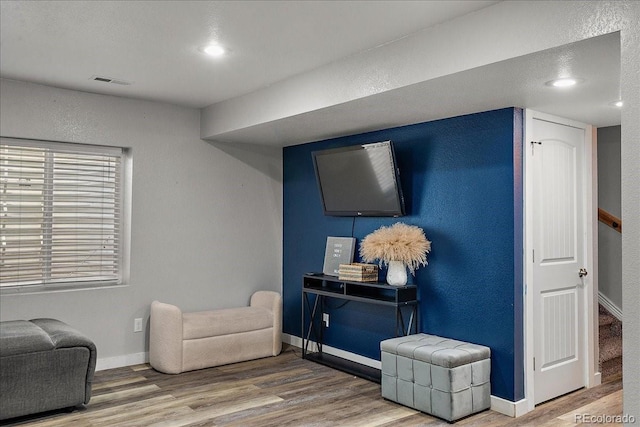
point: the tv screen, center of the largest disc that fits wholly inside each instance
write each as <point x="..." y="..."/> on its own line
<point x="360" y="180"/>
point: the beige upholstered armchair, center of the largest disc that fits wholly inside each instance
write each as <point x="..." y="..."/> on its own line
<point x="182" y="342"/>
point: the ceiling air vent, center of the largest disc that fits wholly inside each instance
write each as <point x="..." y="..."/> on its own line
<point x="109" y="80"/>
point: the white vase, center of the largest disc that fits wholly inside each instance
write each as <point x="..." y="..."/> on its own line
<point x="397" y="273"/>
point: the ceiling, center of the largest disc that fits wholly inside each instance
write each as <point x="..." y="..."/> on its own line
<point x="155" y="45"/>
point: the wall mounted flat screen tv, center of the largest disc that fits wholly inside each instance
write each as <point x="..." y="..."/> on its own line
<point x="360" y="180"/>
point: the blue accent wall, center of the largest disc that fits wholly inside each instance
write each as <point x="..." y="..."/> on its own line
<point x="462" y="182"/>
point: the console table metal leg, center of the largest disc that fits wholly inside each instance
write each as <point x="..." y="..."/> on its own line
<point x="312" y="328"/>
<point x="304" y="297"/>
<point x="412" y="325"/>
<point x="413" y="321"/>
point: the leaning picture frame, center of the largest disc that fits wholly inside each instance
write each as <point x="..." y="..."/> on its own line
<point x="339" y="250"/>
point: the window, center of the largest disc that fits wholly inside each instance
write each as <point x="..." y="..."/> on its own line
<point x="61" y="214"/>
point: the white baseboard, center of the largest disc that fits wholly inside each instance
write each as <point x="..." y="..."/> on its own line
<point x="597" y="379"/>
<point x="610" y="306"/>
<point x="120" y="361"/>
<point x="297" y="342"/>
<point x="509" y="408"/>
<point x="506" y="407"/>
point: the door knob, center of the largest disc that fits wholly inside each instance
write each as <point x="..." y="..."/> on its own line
<point x="583" y="272"/>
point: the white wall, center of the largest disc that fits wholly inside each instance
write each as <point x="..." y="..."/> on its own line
<point x="206" y="219"/>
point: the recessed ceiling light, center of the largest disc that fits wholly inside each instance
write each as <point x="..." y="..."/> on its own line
<point x="563" y="82"/>
<point x="214" y="50"/>
<point x="618" y="104"/>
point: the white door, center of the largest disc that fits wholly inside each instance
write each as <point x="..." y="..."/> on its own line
<point x="558" y="255"/>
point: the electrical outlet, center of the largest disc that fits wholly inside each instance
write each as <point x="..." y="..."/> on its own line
<point x="325" y="319"/>
<point x="137" y="324"/>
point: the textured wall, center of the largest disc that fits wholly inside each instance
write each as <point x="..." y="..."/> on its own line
<point x="206" y="220"/>
<point x="630" y="84"/>
<point x="459" y="178"/>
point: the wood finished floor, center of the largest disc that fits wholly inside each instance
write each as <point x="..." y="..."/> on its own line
<point x="284" y="391"/>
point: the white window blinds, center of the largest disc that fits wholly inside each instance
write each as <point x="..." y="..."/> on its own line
<point x="60" y="214"/>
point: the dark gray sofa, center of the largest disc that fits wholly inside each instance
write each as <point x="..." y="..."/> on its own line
<point x="44" y="365"/>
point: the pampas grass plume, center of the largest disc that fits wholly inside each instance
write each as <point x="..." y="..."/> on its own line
<point x="399" y="242"/>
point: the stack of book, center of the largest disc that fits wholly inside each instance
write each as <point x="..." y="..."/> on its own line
<point x="358" y="272"/>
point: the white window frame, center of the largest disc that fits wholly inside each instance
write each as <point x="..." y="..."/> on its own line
<point x="123" y="236"/>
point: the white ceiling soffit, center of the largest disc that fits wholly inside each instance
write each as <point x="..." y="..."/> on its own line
<point x="154" y="45"/>
<point x="518" y="82"/>
<point x="151" y="49"/>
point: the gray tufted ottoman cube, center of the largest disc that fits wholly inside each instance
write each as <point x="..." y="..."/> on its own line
<point x="439" y="376"/>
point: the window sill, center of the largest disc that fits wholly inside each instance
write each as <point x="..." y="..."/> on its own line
<point x="46" y="289"/>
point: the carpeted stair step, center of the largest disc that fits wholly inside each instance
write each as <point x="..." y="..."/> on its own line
<point x="609" y="326"/>
<point x="605" y="329"/>
<point x="605" y="319"/>
<point x="611" y="369"/>
<point x="610" y="342"/>
<point x="610" y="348"/>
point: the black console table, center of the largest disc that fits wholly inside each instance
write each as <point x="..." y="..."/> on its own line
<point x="316" y="287"/>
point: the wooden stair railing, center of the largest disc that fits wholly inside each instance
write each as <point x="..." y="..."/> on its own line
<point x="610" y="220"/>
